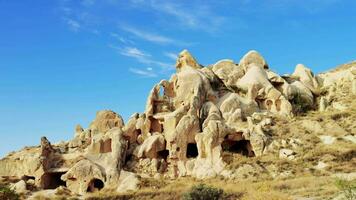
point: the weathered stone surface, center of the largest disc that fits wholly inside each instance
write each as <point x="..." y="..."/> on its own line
<point x="19" y="187"/>
<point x="253" y="57"/>
<point x="189" y="124"/>
<point x="105" y="120"/>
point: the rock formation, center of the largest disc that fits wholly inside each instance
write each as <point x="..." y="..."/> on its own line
<point x="189" y="121"/>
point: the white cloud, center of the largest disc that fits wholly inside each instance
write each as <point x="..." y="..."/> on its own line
<point x="145" y="73"/>
<point x="148" y="36"/>
<point x="195" y="15"/>
<point x="171" y="55"/>
<point x="73" y="25"/>
<point x="134" y="52"/>
<point x="142" y="57"/>
<point x="121" y="39"/>
<point x="152" y="37"/>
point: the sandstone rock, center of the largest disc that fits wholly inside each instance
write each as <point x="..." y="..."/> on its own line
<point x="353" y="87"/>
<point x="190" y="123"/>
<point x="326" y="139"/>
<point x="253" y="57"/>
<point x="321" y="165"/>
<point x="350" y="138"/>
<point x="306" y="76"/>
<point x="105" y="120"/>
<point x="128" y="182"/>
<point x="186" y="60"/>
<point x="322" y="104"/>
<point x="287" y="153"/>
<point x="19" y="187"/>
<point x="84" y="176"/>
<point x="151" y="146"/>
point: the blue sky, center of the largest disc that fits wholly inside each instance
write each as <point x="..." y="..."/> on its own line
<point x="63" y="60"/>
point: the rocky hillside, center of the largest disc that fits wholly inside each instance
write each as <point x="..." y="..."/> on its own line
<point x="236" y="126"/>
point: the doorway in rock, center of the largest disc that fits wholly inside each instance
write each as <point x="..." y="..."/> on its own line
<point x="242" y="147"/>
<point x="163" y="154"/>
<point x="95" y="185"/>
<point x="192" y="150"/>
<point x="52" y="180"/>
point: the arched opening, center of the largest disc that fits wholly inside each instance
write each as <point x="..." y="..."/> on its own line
<point x="95" y="185"/>
<point x="163" y="154"/>
<point x="161" y="91"/>
<point x="52" y="180"/>
<point x="192" y="150"/>
<point x="242" y="147"/>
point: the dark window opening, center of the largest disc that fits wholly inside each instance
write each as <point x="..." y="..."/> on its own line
<point x="95" y="185"/>
<point x="242" y="147"/>
<point x="128" y="158"/>
<point x="138" y="132"/>
<point x="163" y="154"/>
<point x="155" y="126"/>
<point x="26" y="178"/>
<point x="105" y="147"/>
<point x="52" y="180"/>
<point x="192" y="150"/>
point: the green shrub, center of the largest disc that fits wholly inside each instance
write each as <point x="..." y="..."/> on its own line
<point x="7" y="194"/>
<point x="203" y="192"/>
<point x="348" y="188"/>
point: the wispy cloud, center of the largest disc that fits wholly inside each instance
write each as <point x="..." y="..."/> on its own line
<point x="142" y="57"/>
<point x="73" y="25"/>
<point x="134" y="53"/>
<point x="145" y="73"/>
<point x="152" y="37"/>
<point x="121" y="39"/>
<point x="195" y="15"/>
<point x="171" y="55"/>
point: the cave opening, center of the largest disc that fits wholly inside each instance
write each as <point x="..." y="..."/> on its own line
<point x="26" y="178"/>
<point x="242" y="147"/>
<point x="192" y="150"/>
<point x="163" y="154"/>
<point x="95" y="185"/>
<point x="52" y="180"/>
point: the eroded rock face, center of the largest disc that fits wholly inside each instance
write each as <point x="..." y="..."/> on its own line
<point x="105" y="120"/>
<point x="188" y="123"/>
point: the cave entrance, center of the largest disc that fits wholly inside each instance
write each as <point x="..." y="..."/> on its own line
<point x="192" y="150"/>
<point x="52" y="180"/>
<point x="95" y="185"/>
<point x="242" y="147"/>
<point x="163" y="154"/>
<point x="26" y="178"/>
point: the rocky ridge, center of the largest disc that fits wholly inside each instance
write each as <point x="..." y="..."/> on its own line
<point x="189" y="125"/>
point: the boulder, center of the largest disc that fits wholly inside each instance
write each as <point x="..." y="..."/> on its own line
<point x="128" y="182"/>
<point x="186" y="60"/>
<point x="19" y="187"/>
<point x="106" y="120"/>
<point x="306" y="76"/>
<point x="253" y="57"/>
